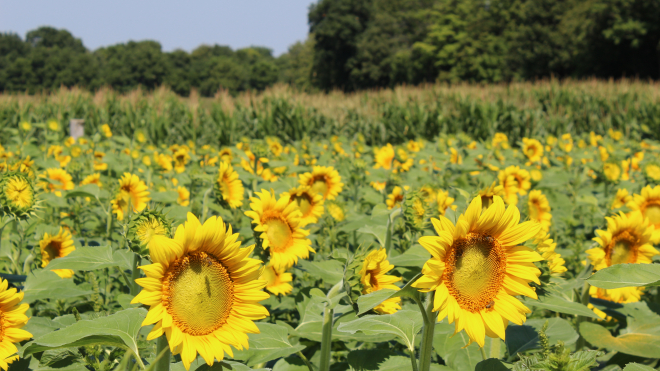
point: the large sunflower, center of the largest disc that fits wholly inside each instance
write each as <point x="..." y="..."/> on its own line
<point x="203" y="291"/>
<point x="538" y="209"/>
<point x="278" y="280"/>
<point x="373" y="278"/>
<point x="57" y="246"/>
<point x="56" y="180"/>
<point x="648" y="203"/>
<point x="515" y="181"/>
<point x="228" y="187"/>
<point x="308" y="202"/>
<point x="12" y="319"/>
<point x="628" y="239"/>
<point x="277" y="222"/>
<point x="478" y="267"/>
<point x="384" y="157"/>
<point x="324" y="180"/>
<point x="132" y="193"/>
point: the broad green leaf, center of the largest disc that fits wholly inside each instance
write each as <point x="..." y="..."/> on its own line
<point x="271" y="343"/>
<point x="39" y="326"/>
<point x="199" y="365"/>
<point x="167" y="197"/>
<point x="416" y="256"/>
<point x="370" y="301"/>
<point x="452" y="348"/>
<point x="405" y="324"/>
<point x="87" y="190"/>
<point x="641" y="336"/>
<point x="89" y="258"/>
<point x="45" y="284"/>
<point x="53" y="201"/>
<point x="556" y="303"/>
<point x="330" y="271"/>
<point x="638" y="367"/>
<point x="119" y="330"/>
<point x="378" y="231"/>
<point x="626" y="275"/>
<point x="521" y="338"/>
<point x="491" y="364"/>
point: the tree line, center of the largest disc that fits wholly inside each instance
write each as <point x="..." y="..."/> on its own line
<point x="364" y="44"/>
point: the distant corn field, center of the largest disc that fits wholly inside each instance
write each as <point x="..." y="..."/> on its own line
<point x="382" y="116"/>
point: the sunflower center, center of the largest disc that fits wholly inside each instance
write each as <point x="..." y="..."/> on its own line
<point x="304" y="203"/>
<point x="320" y="186"/>
<point x="475" y="271"/>
<point x="279" y="233"/>
<point x="622" y="249"/>
<point x="51" y="251"/>
<point x="199" y="293"/>
<point x="653" y="213"/>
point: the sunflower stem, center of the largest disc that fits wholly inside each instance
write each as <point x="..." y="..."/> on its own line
<point x="483" y="353"/>
<point x="584" y="299"/>
<point x="426" y="349"/>
<point x="135" y="274"/>
<point x="495" y="348"/>
<point x="309" y="365"/>
<point x="413" y="360"/>
<point x="108" y="227"/>
<point x="205" y="205"/>
<point x="326" y="338"/>
<point x="390" y="225"/>
<point x="163" y="352"/>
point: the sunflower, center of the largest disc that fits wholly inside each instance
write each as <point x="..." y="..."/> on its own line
<point x="538" y="209"/>
<point x="394" y="199"/>
<point x="203" y="291"/>
<point x="336" y="211"/>
<point x="384" y="157"/>
<point x="17" y="197"/>
<point x="628" y="239"/>
<point x="379" y="186"/>
<point x="648" y="203"/>
<point x="278" y="222"/>
<point x="487" y="194"/>
<point x="12" y="319"/>
<point x="500" y="140"/>
<point x="144" y="227"/>
<point x="514" y="181"/>
<point x="92" y="179"/>
<point x="105" y="128"/>
<point x="132" y="193"/>
<point x="621" y="198"/>
<point x="57" y="246"/>
<point x="184" y="196"/>
<point x="56" y="180"/>
<point x="324" y="180"/>
<point x="444" y="202"/>
<point x="546" y="247"/>
<point x="611" y="171"/>
<point x="373" y="277"/>
<point x="308" y="202"/>
<point x="478" y="267"/>
<point x="455" y="158"/>
<point x="278" y="280"/>
<point x="652" y="171"/>
<point x="181" y="158"/>
<point x="533" y="149"/>
<point x="228" y="187"/>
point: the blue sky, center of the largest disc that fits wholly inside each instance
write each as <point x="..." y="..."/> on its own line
<point x="175" y="24"/>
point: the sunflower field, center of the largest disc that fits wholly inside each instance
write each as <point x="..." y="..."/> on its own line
<point x="118" y="252"/>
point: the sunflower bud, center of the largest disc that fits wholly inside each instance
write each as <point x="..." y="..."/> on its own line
<point x="416" y="212"/>
<point x="17" y="195"/>
<point x="143" y="227"/>
<point x="352" y="278"/>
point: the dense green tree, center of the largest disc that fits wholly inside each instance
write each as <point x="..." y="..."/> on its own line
<point x="127" y="66"/>
<point x="295" y="66"/>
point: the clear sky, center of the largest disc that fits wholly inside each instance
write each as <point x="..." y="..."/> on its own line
<point x="175" y="24"/>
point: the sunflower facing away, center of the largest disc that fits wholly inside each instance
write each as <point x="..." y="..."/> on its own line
<point x="395" y="198"/>
<point x="621" y="198"/>
<point x="57" y="246"/>
<point x="203" y="291"/>
<point x="132" y="193"/>
<point x="12" y="319"/>
<point x="478" y="267"/>
<point x="648" y="203"/>
<point x="309" y="203"/>
<point x="277" y="223"/>
<point x="228" y="187"/>
<point x="546" y="247"/>
<point x="373" y="278"/>
<point x="324" y="180"/>
<point x="278" y="280"/>
<point x="17" y="196"/>
<point x="628" y="239"/>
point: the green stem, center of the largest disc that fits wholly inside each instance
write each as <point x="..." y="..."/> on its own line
<point x="426" y="351"/>
<point x="483" y="353"/>
<point x="205" y="206"/>
<point x="108" y="227"/>
<point x="584" y="299"/>
<point x="163" y="352"/>
<point x="326" y="338"/>
<point x="495" y="348"/>
<point x="135" y="274"/>
<point x="413" y="361"/>
<point x="309" y="365"/>
<point x="390" y="226"/>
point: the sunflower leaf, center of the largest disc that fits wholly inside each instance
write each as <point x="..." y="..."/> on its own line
<point x="119" y="330"/>
<point x="45" y="284"/>
<point x="271" y="343"/>
<point x="90" y="258"/>
<point x="87" y="190"/>
<point x="558" y="304"/>
<point x="626" y="275"/>
<point x="521" y="338"/>
<point x="405" y="324"/>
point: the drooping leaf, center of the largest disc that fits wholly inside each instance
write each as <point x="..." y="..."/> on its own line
<point x="89" y="258"/>
<point x="271" y="343"/>
<point x="416" y="256"/>
<point x="119" y="330"/>
<point x="626" y="275"/>
<point x="491" y="364"/>
<point x="370" y="301"/>
<point x="329" y="271"/>
<point x="557" y="303"/>
<point x="521" y="338"/>
<point x="638" y="367"/>
<point x="405" y="324"/>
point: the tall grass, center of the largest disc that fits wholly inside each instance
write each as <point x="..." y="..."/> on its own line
<point x="391" y="115"/>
